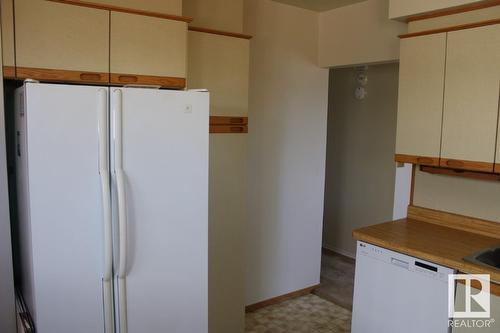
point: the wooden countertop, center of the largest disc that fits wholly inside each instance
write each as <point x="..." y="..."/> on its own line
<point x="440" y="244"/>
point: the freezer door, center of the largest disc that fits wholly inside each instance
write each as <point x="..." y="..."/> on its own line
<point x="160" y="197"/>
<point x="61" y="205"/>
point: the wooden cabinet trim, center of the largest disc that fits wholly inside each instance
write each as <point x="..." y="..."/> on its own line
<point x="497" y="168"/>
<point x="224" y="120"/>
<point x="9" y="72"/>
<point x="229" y="129"/>
<point x="56" y="75"/>
<point x="452" y="11"/>
<point x="466" y="165"/>
<point x="460" y="173"/>
<point x="125" y="10"/>
<point x="451" y="28"/>
<point x="162" y="81"/>
<point x="422" y="160"/>
<point x="220" y="32"/>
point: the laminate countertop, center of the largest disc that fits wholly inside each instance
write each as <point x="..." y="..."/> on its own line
<point x="432" y="242"/>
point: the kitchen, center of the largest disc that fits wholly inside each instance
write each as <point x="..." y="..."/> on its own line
<point x="261" y="161"/>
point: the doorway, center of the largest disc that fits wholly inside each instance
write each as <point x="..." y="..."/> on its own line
<point x="361" y="173"/>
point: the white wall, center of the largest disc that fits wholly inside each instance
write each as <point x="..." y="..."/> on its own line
<point x="287" y="138"/>
<point x="7" y="310"/>
<point x="358" y="34"/>
<point x="399" y="9"/>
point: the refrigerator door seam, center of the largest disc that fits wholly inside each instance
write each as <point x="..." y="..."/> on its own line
<point x="122" y="214"/>
<point x="102" y="129"/>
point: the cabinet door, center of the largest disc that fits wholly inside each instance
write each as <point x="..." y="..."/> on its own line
<point x="148" y="50"/>
<point x="221" y="65"/>
<point x="471" y="99"/>
<point x="420" y="105"/>
<point x="7" y="19"/>
<point x="61" y="42"/>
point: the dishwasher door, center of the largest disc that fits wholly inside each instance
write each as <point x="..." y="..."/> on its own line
<point x="395" y="293"/>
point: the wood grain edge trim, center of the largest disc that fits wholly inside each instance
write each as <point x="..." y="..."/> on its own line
<point x="494" y="288"/>
<point x="451" y="28"/>
<point x="9" y="72"/>
<point x="229" y="129"/>
<point x="134" y="79"/>
<point x="281" y="298"/>
<point x="466" y="165"/>
<point x="59" y="75"/>
<point x="228" y="120"/>
<point x="125" y="10"/>
<point x="454" y="10"/>
<point x="422" y="160"/>
<point x="219" y="32"/>
<point x="497" y="168"/>
<point x="455" y="221"/>
<point x="460" y="173"/>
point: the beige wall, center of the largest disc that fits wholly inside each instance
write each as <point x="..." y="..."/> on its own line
<point x="360" y="172"/>
<point x="7" y="307"/>
<point x="215" y="14"/>
<point x="458" y="195"/>
<point x="287" y="142"/>
<point x="227" y="221"/>
<point x="358" y="34"/>
<point x="173" y="7"/>
<point x="221" y="65"/>
<point x="399" y="9"/>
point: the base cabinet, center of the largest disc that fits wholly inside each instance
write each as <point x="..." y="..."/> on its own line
<point x="495" y="312"/>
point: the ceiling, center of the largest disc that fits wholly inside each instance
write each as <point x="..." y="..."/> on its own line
<point x="319" y="5"/>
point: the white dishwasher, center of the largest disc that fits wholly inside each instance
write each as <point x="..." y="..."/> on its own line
<point x="395" y="293"/>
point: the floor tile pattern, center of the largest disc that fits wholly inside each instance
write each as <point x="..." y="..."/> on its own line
<point x="306" y="314"/>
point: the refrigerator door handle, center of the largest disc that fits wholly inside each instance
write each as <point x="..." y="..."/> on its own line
<point x="102" y="129"/>
<point x="122" y="213"/>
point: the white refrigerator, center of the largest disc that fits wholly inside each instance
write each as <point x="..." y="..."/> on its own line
<point x="113" y="206"/>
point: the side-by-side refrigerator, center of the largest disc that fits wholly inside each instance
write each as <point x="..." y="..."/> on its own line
<point x="113" y="204"/>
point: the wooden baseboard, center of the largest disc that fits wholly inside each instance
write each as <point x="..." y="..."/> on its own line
<point x="282" y="298"/>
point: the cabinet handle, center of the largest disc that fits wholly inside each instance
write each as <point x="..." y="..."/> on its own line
<point x="128" y="78"/>
<point x="455" y="163"/>
<point x="424" y="160"/>
<point x="90" y="77"/>
<point x="236" y="120"/>
<point x="237" y="129"/>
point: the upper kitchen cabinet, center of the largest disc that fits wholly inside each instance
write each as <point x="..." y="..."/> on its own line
<point x="148" y="50"/>
<point x="61" y="42"/>
<point x="471" y="98"/>
<point x="8" y="54"/>
<point x="220" y="64"/>
<point x="420" y="105"/>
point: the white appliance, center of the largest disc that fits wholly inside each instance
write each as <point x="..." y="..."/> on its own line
<point x="396" y="293"/>
<point x="113" y="203"/>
